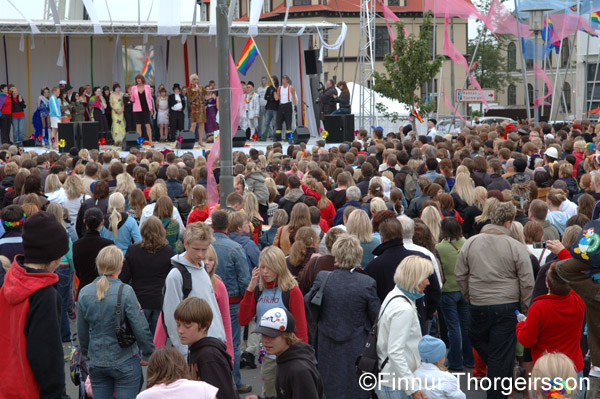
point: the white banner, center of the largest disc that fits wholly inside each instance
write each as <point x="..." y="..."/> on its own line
<point x="255" y="9"/>
<point x="169" y="18"/>
<point x="212" y="28"/>
<point x="34" y="29"/>
<point x="91" y="10"/>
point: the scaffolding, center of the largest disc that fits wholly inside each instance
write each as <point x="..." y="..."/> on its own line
<point x="366" y="64"/>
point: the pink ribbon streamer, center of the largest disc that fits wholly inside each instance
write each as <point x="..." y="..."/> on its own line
<point x="237" y="102"/>
<point x="567" y="24"/>
<point x="500" y="21"/>
<point x="449" y="105"/>
<point x="453" y="8"/>
<point x="451" y="51"/>
<point x="389" y="15"/>
<point x="539" y="73"/>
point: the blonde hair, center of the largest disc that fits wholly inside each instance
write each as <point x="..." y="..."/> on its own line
<point x="462" y="169"/>
<point x="188" y="185"/>
<point x="299" y="217"/>
<point x="194" y="76"/>
<point x="305" y="238"/>
<point x="432" y="219"/>
<point x="250" y="204"/>
<point x="236" y="220"/>
<point x="273" y="259"/>
<point x="158" y="190"/>
<point x="212" y="254"/>
<point x="412" y="271"/>
<point x="463" y="187"/>
<point x="52" y="183"/>
<point x="74" y="187"/>
<point x="109" y="261"/>
<point x="125" y="184"/>
<point x="377" y="205"/>
<point x="358" y="224"/>
<point x="199" y="196"/>
<point x="347" y="250"/>
<point x="198" y="231"/>
<point x="116" y="204"/>
<point x="516" y="232"/>
<point x="556" y="197"/>
<point x="58" y="211"/>
<point x="486" y="213"/>
<point x="553" y="366"/>
<point x="479" y="197"/>
<point x="324" y="201"/>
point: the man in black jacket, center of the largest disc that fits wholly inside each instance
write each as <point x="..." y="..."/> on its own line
<point x="326" y="103"/>
<point x="176" y="106"/>
<point x="268" y="130"/>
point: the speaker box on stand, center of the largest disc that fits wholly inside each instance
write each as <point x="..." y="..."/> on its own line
<point x="239" y="140"/>
<point x="312" y="63"/>
<point x="89" y="135"/>
<point x="340" y="128"/>
<point x="301" y="135"/>
<point x="68" y="131"/>
<point x="189" y="139"/>
<point x="130" y="141"/>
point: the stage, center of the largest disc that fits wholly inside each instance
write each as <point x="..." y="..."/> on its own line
<point x="197" y="150"/>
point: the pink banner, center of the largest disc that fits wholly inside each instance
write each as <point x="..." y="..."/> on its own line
<point x="451" y="51"/>
<point x="449" y="105"/>
<point x="540" y="74"/>
<point x="500" y="21"/>
<point x="237" y="104"/>
<point x="389" y="15"/>
<point x="567" y="24"/>
<point x="453" y="8"/>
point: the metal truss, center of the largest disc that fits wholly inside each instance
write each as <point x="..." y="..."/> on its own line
<point x="366" y="63"/>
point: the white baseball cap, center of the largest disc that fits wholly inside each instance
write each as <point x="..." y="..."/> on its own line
<point x="551" y="152"/>
<point x="275" y="322"/>
<point x="62" y="82"/>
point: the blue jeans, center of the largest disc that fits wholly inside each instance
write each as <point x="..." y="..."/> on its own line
<point x="260" y="130"/>
<point x="17" y="124"/>
<point x="389" y="393"/>
<point x="152" y="317"/>
<point x="492" y="333"/>
<point x="236" y="335"/>
<point x="64" y="290"/>
<point x="456" y="314"/>
<point x="269" y="124"/>
<point x="342" y="111"/>
<point x="123" y="380"/>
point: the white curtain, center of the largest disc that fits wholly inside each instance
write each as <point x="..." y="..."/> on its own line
<point x="118" y="71"/>
<point x="169" y="17"/>
<point x="160" y="64"/>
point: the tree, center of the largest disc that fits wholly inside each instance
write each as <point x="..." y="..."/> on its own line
<point x="409" y="66"/>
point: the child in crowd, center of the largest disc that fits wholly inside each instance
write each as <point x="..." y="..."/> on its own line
<point x="208" y="357"/>
<point x="280" y="218"/>
<point x="434" y="379"/>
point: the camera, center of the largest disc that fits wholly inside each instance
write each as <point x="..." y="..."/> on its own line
<point x="539" y="245"/>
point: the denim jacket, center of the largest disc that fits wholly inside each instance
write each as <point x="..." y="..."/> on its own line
<point x="233" y="265"/>
<point x="96" y="323"/>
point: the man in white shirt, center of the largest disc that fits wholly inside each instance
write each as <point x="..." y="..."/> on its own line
<point x="431" y="130"/>
<point x="261" y="91"/>
<point x="250" y="118"/>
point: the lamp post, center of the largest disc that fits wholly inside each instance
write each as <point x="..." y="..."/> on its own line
<point x="536" y="24"/>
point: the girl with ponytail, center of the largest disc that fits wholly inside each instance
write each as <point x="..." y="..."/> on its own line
<point x="96" y="319"/>
<point x="118" y="225"/>
<point x="303" y="248"/>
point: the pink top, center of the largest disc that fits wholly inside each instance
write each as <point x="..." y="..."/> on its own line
<point x="180" y="389"/>
<point x="135" y="98"/>
<point x="223" y="301"/>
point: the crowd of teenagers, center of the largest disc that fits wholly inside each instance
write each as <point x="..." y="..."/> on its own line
<point x="476" y="253"/>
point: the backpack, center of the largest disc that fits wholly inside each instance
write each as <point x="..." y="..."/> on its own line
<point x="410" y="184"/>
<point x="186" y="288"/>
<point x="368" y="361"/>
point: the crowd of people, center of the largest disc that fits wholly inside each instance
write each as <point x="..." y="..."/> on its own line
<point x="476" y="253"/>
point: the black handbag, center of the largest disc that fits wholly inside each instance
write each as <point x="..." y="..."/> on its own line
<point x="317" y="299"/>
<point x="125" y="335"/>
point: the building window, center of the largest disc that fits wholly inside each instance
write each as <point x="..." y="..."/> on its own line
<point x="530" y="93"/>
<point x="565" y="53"/>
<point x="528" y="64"/>
<point x="302" y="2"/>
<point x="393" y="2"/>
<point x="512" y="56"/>
<point x="512" y="95"/>
<point x="593" y="87"/>
<point x="382" y="41"/>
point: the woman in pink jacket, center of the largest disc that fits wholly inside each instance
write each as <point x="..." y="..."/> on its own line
<point x="141" y="97"/>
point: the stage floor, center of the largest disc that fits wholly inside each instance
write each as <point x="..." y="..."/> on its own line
<point x="197" y="150"/>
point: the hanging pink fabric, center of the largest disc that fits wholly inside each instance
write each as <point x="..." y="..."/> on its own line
<point x="449" y="105"/>
<point x="453" y="8"/>
<point x="237" y="104"/>
<point x="567" y="24"/>
<point x="451" y="51"/>
<point x="500" y="21"/>
<point x="540" y="74"/>
<point x="389" y="15"/>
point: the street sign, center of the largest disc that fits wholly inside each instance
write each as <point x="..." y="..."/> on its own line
<point x="473" y="96"/>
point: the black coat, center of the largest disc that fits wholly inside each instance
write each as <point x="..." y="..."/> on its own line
<point x="172" y="102"/>
<point x="326" y="103"/>
<point x="85" y="251"/>
<point x="497" y="182"/>
<point x="213" y="364"/>
<point x="297" y="375"/>
<point x="101" y="204"/>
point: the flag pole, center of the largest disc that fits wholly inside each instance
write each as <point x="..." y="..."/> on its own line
<point x="262" y="60"/>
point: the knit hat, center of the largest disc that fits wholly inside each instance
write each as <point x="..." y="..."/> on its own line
<point x="587" y="245"/>
<point x="431" y="349"/>
<point x="590" y="147"/>
<point x="44" y="239"/>
<point x="275" y="322"/>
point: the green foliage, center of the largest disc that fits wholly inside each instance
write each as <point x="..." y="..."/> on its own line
<point x="409" y="66"/>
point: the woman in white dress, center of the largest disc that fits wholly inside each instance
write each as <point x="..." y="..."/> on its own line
<point x="162" y="105"/>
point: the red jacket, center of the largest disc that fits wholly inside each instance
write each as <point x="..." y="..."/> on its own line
<point x="32" y="363"/>
<point x="328" y="213"/>
<point x="554" y="324"/>
<point x="248" y="310"/>
<point x="7" y="106"/>
<point x="579" y="156"/>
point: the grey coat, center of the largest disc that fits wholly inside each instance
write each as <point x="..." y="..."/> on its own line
<point x="350" y="307"/>
<point x="256" y="184"/>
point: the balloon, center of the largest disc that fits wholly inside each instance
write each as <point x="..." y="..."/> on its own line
<point x="62" y="143"/>
<point x="325" y="134"/>
<point x="179" y="139"/>
<point x="140" y="140"/>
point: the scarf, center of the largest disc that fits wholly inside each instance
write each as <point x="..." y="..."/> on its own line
<point x="412" y="295"/>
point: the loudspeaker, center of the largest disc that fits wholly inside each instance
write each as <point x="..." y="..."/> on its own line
<point x="88" y="134"/>
<point x="311" y="60"/>
<point x="68" y="131"/>
<point x="340" y="128"/>
<point x="301" y="135"/>
<point x="239" y="140"/>
<point x="28" y="143"/>
<point x="189" y="139"/>
<point x="130" y="141"/>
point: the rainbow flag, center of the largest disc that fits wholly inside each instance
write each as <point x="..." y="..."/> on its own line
<point x="248" y="56"/>
<point x="147" y="68"/>
<point x="415" y="113"/>
<point x="595" y="19"/>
